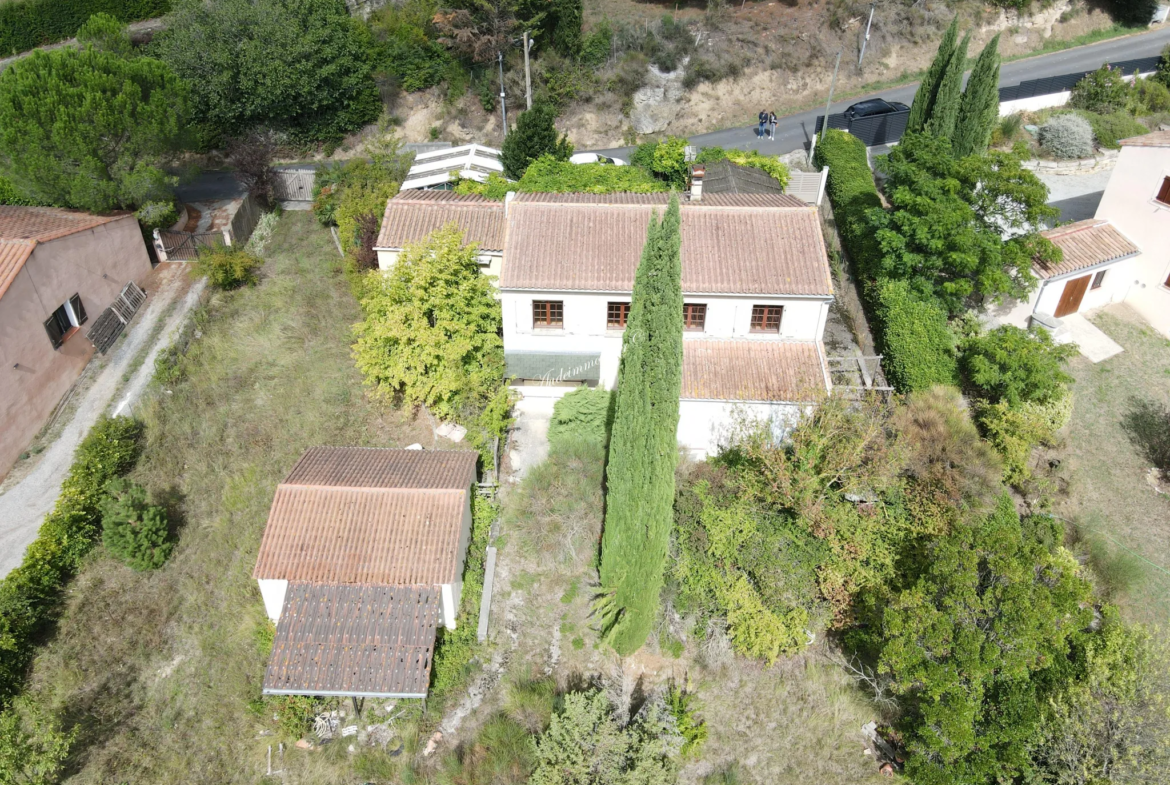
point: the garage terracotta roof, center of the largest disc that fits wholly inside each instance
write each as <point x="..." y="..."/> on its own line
<point x="364" y="641"/>
<point x="412" y="215"/>
<point x="753" y="370"/>
<point x="1086" y="244"/>
<point x="1155" y="139"/>
<point x="765" y="244"/>
<point x="360" y="516"/>
<point x="21" y="228"/>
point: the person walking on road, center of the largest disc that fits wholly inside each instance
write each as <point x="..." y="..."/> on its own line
<point x="772" y="126"/>
<point x="763" y="122"/>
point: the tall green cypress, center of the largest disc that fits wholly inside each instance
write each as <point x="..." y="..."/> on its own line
<point x="643" y="446"/>
<point x="980" y="106"/>
<point x="945" y="112"/>
<point x="928" y="87"/>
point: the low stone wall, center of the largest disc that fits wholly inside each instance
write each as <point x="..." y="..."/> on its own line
<point x="1105" y="159"/>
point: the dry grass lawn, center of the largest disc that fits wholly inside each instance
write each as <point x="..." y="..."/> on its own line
<point x="1109" y="495"/>
<point x="160" y="672"/>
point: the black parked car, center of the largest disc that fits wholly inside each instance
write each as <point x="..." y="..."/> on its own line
<point x="873" y="106"/>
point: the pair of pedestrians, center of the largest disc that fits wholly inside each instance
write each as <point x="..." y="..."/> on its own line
<point x="767" y="125"/>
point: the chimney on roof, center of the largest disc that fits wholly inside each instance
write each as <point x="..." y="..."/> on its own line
<point x="698" y="172"/>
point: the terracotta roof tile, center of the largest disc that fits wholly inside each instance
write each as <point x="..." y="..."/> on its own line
<point x="373" y="641"/>
<point x="1155" y="139"/>
<point x="21" y="228"/>
<point x="412" y="215"/>
<point x="753" y="370"/>
<point x="1085" y="244"/>
<point x="352" y="516"/>
<point x="731" y="244"/>
<point x="13" y="255"/>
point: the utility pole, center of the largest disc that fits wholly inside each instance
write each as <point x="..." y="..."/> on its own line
<point x="527" y="70"/>
<point x="828" y="103"/>
<point x="865" y="40"/>
<point x="503" y="101"/>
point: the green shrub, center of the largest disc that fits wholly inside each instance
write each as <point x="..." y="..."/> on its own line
<point x="1067" y="136"/>
<point x="1015" y="431"/>
<point x="106" y="33"/>
<point x="30" y="595"/>
<point x="1162" y="74"/>
<point x="227" y="266"/>
<point x="33" y="748"/>
<point x="1109" y="129"/>
<point x="770" y="164"/>
<point x="853" y="194"/>
<point x="408" y="45"/>
<point x="157" y="215"/>
<point x="1015" y="366"/>
<point x="9" y="194"/>
<point x="27" y="24"/>
<point x="535" y="135"/>
<point x="134" y="531"/>
<point x="918" y="347"/>
<point x="1103" y="91"/>
<point x="597" y="46"/>
<point x="582" y="414"/>
<point x="684" y="706"/>
<point x="1150" y="96"/>
<point x="1147" y="422"/>
<point x="548" y="175"/>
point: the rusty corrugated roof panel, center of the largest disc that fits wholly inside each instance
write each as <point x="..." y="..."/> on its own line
<point x="1155" y="139"/>
<point x="594" y="242"/>
<point x="1086" y="244"/>
<point x="412" y="215"/>
<point x="362" y="535"/>
<point x="13" y="255"/>
<point x="753" y="370"/>
<point x="370" y="467"/>
<point x="365" y="641"/>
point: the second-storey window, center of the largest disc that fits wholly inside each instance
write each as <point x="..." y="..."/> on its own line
<point x="694" y="317"/>
<point x="548" y="313"/>
<point x="1164" y="192"/>
<point x="616" y="316"/>
<point x="766" y="318"/>
<point x="1098" y="279"/>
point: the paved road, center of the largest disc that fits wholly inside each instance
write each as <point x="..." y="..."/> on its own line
<point x="795" y="131"/>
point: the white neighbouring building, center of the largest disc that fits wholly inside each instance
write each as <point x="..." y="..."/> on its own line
<point x="439" y="168"/>
<point x="756" y="289"/>
<point x="1120" y="255"/>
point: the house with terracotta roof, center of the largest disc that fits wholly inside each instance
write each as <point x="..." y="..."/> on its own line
<point x="412" y="215"/>
<point x="361" y="561"/>
<point x="57" y="269"/>
<point x="756" y="287"/>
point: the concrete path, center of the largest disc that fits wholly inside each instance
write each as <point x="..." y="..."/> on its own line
<point x="529" y="435"/>
<point x="23" y="506"/>
<point x="1094" y="345"/>
<point x="1075" y="195"/>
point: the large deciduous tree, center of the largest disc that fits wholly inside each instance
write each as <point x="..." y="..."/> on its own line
<point x="643" y="451"/>
<point x="945" y="112"/>
<point x="87" y="128"/>
<point x="927" y="91"/>
<point x="535" y="135"/>
<point x="296" y="65"/>
<point x="980" y="105"/>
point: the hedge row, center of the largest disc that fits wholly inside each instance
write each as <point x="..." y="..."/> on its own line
<point x="27" y="24"/>
<point x="913" y="336"/>
<point x="30" y="596"/>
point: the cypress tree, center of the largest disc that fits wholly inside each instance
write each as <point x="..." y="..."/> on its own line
<point x="945" y="112"/>
<point x="928" y="87"/>
<point x="643" y="448"/>
<point x="980" y="105"/>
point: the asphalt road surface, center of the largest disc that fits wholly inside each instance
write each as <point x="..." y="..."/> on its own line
<point x="795" y="131"/>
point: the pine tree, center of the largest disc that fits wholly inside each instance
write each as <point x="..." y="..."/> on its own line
<point x="945" y="112"/>
<point x="980" y="105"/>
<point x="928" y="87"/>
<point x="535" y="135"/>
<point x="132" y="530"/>
<point x="643" y="451"/>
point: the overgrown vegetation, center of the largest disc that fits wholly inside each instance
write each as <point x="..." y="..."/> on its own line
<point x="535" y="136"/>
<point x="26" y="24"/>
<point x="550" y="175"/>
<point x="227" y="266"/>
<point x="582" y="414"/>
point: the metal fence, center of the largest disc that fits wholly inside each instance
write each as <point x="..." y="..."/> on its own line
<point x="879" y="129"/>
<point x="1063" y="82"/>
<point x="185" y="246"/>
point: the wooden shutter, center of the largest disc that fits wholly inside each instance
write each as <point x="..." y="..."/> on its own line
<point x="1164" y="191"/>
<point x="78" y="309"/>
<point x="56" y="334"/>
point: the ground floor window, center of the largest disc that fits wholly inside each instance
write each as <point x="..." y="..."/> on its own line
<point x="548" y="313"/>
<point x="616" y="316"/>
<point x="766" y="318"/>
<point x="68" y="317"/>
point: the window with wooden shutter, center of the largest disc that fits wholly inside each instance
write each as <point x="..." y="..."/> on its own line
<point x="766" y="318"/>
<point x="548" y="313"/>
<point x="1164" y="192"/>
<point x="694" y="317"/>
<point x="78" y="310"/>
<point x="616" y="316"/>
<point x="57" y="326"/>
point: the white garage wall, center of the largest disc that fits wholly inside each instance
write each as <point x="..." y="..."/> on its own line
<point x="704" y="426"/>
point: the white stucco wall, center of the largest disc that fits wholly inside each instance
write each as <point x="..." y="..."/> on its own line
<point x="273" y="593"/>
<point x="704" y="426"/>
<point x="451" y="593"/>
<point x="585" y="317"/>
<point x="1119" y="277"/>
<point x="489" y="263"/>
<point x="1129" y="202"/>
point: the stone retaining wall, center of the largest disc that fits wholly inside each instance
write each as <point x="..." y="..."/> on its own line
<point x="1104" y="159"/>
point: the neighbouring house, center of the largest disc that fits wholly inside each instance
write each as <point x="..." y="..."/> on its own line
<point x="725" y="177"/>
<point x="756" y="287"/>
<point x="361" y="561"/>
<point x="58" y="269"/>
<point x="439" y="169"/>
<point x="412" y="215"/>
<point x="1120" y="255"/>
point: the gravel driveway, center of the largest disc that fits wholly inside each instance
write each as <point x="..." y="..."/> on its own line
<point x="23" y="505"/>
